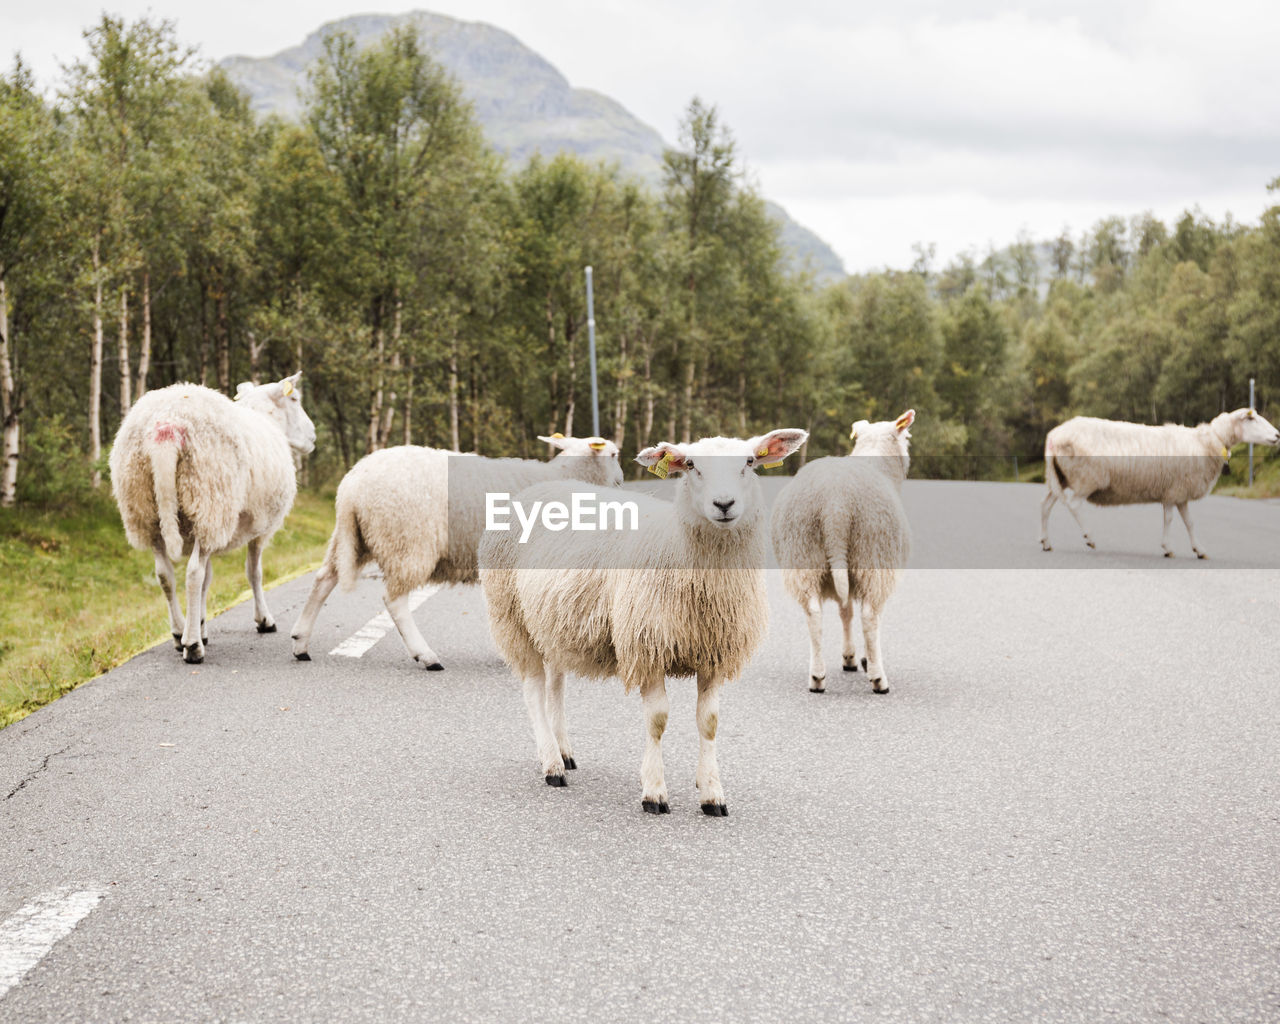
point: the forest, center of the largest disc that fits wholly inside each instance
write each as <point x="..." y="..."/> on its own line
<point x="153" y="229"/>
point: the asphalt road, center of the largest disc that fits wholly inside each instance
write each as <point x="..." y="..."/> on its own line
<point x="1067" y="809"/>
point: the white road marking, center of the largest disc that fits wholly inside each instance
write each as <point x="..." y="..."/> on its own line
<point x="376" y="628"/>
<point x="35" y="929"/>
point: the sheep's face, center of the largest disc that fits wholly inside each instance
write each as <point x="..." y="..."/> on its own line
<point x="596" y="459"/>
<point x="1254" y="429"/>
<point x="886" y="438"/>
<point x="719" y="473"/>
<point x="282" y="401"/>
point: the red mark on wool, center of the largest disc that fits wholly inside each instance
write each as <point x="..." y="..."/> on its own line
<point x="171" y="432"/>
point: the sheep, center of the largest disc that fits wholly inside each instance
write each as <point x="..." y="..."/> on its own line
<point x="193" y="471"/>
<point x="840" y="533"/>
<point x="418" y="512"/>
<point x="1114" y="463"/>
<point x="682" y="594"/>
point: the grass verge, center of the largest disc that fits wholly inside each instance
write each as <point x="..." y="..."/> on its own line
<point x="76" y="600"/>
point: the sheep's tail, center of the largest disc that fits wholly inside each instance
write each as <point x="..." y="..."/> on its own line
<point x="345" y="547"/>
<point x="840" y="577"/>
<point x="164" y="478"/>
<point x="1053" y="475"/>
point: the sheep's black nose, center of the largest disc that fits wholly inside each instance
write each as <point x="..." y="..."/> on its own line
<point x="723" y="505"/>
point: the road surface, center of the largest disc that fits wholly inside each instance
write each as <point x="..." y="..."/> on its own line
<point x="1067" y="809"/>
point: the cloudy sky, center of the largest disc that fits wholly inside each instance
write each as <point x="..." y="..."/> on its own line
<point x="959" y="124"/>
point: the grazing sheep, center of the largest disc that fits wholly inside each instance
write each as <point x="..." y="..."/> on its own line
<point x="840" y="533"/>
<point x="191" y="470"/>
<point x="1113" y="463"/>
<point x="419" y="512"/>
<point x="681" y="595"/>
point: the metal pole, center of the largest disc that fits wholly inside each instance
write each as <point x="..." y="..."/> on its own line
<point x="1250" y="443"/>
<point x="591" y="345"/>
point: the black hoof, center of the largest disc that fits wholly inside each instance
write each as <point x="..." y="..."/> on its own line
<point x="570" y="764"/>
<point x="191" y="656"/>
<point x="435" y="666"/>
<point x="817" y="685"/>
<point x="558" y="781"/>
<point x="715" y="810"/>
<point x="851" y="668"/>
<point x="875" y="687"/>
<point x="304" y="656"/>
<point x="655" y="807"/>
<point x="1090" y="544"/>
<point x="1168" y="554"/>
<point x="266" y="629"/>
<point x="1201" y="554"/>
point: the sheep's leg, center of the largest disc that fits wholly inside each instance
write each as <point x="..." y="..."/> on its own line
<point x="192" y="643"/>
<point x="1046" y="506"/>
<point x="850" y="650"/>
<point x="871" y="635"/>
<point x="204" y="598"/>
<point x="169" y="584"/>
<point x="253" y="570"/>
<point x="418" y="646"/>
<point x="555" y="715"/>
<point x="1074" y="504"/>
<point x="1164" y="536"/>
<point x="656" y="708"/>
<point x="710" y="792"/>
<point x="817" y="669"/>
<point x="326" y="579"/>
<point x="1191" y="533"/>
<point x="535" y="699"/>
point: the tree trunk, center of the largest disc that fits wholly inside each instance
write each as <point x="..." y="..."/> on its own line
<point x="204" y="332"/>
<point x="686" y="425"/>
<point x="389" y="410"/>
<point x="742" y="399"/>
<point x="620" y="400"/>
<point x="376" y="389"/>
<point x="455" y="441"/>
<point x="8" y="403"/>
<point x="408" y="404"/>
<point x="224" y="344"/>
<point x="475" y="407"/>
<point x="144" y="349"/>
<point x="126" y="380"/>
<point x="256" y="348"/>
<point x="646" y="425"/>
<point x="571" y="401"/>
<point x="95" y="369"/>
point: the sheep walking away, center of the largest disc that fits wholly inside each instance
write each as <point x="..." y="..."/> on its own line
<point x="840" y="534"/>
<point x="194" y="472"/>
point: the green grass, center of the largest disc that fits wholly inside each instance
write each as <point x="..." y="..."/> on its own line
<point x="76" y="600"/>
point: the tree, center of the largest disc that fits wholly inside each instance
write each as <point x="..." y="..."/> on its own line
<point x="28" y="205"/>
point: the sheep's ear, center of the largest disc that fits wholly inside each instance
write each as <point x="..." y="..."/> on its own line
<point x="242" y="389"/>
<point x="771" y="448"/>
<point x="662" y="459"/>
<point x="599" y="446"/>
<point x="289" y="384"/>
<point x="905" y="420"/>
<point x="557" y="440"/>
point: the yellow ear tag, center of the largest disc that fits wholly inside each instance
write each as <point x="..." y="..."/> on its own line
<point x="1226" y="453"/>
<point x="287" y="390"/>
<point x="659" y="468"/>
<point x="557" y="434"/>
<point x="767" y="465"/>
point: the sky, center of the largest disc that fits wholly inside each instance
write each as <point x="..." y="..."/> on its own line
<point x="880" y="126"/>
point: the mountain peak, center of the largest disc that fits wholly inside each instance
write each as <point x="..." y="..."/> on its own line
<point x="522" y="102"/>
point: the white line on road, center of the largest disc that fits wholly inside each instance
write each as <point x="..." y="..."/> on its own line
<point x="35" y="929"/>
<point x="376" y="628"/>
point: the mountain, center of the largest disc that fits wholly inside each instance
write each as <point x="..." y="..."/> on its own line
<point x="522" y="102"/>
